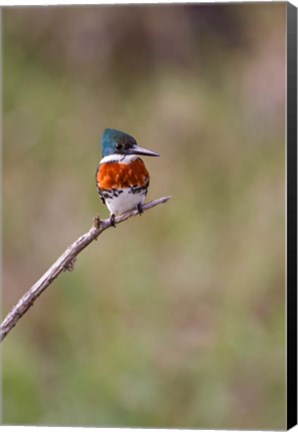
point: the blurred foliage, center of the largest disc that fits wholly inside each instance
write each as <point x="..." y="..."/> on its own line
<point x="175" y="319"/>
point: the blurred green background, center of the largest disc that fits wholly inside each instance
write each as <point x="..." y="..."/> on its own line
<point x="176" y="318"/>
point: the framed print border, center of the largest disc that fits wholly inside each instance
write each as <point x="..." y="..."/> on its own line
<point x="291" y="215"/>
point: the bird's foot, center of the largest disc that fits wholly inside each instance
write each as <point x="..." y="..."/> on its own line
<point x="140" y="209"/>
<point x="112" y="220"/>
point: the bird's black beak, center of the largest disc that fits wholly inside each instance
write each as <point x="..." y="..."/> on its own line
<point x="141" y="151"/>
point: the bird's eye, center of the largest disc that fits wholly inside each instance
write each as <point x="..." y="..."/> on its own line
<point x="119" y="146"/>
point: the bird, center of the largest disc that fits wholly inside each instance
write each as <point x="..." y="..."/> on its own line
<point x="122" y="178"/>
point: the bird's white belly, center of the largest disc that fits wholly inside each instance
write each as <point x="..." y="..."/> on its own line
<point x="125" y="201"/>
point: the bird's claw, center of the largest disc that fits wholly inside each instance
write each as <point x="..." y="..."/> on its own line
<point x="140" y="209"/>
<point x="112" y="220"/>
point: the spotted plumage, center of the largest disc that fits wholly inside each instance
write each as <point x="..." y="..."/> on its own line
<point x="122" y="179"/>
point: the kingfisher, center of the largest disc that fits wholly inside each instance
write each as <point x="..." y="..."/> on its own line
<point x="122" y="179"/>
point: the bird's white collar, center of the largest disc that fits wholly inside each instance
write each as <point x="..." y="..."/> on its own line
<point x="125" y="159"/>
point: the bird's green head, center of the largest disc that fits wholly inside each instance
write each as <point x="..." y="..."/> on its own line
<point x="117" y="142"/>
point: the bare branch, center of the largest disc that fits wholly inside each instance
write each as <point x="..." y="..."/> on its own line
<point x="65" y="263"/>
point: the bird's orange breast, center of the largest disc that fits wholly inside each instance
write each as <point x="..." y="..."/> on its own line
<point x="116" y="175"/>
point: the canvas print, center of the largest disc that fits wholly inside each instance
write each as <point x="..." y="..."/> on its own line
<point x="160" y="131"/>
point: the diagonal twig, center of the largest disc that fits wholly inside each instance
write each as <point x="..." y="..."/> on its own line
<point x="65" y="262"/>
